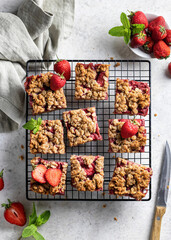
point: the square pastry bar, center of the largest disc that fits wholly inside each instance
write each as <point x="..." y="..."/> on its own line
<point x="119" y="144"/>
<point x="132" y="97"/>
<point x="81" y="126"/>
<point x="48" y="139"/>
<point x="42" y="97"/>
<point x="48" y="177"/>
<point x="130" y="179"/>
<point x="91" y="81"/>
<point x="87" y="172"/>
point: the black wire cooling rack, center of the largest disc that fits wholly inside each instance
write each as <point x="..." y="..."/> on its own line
<point x="126" y="69"/>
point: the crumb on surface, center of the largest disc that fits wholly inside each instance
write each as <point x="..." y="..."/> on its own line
<point x="117" y="64"/>
<point x="167" y="186"/>
<point x="111" y="58"/>
<point x="103" y="193"/>
<point x="155" y="114"/>
<point x="21" y="157"/>
<point x="104" y="205"/>
<point x="158" y="135"/>
<point x="22" y="146"/>
<point x="115" y="219"/>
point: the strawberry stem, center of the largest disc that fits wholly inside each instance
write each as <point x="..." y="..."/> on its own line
<point x="8" y="205"/>
<point x="1" y="173"/>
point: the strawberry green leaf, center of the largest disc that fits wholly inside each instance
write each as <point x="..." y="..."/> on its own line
<point x="124" y="20"/>
<point x="29" y="231"/>
<point x="33" y="216"/>
<point x="117" y="31"/>
<point x="38" y="236"/>
<point x="43" y="218"/>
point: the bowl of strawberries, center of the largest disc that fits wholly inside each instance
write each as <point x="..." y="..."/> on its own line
<point x="147" y="35"/>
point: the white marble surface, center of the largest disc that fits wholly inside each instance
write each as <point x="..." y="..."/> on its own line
<point x="89" y="220"/>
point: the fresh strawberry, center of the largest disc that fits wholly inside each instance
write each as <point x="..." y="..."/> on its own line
<point x="148" y="46"/>
<point x="138" y="39"/>
<point x="38" y="174"/>
<point x="57" y="81"/>
<point x="168" y="37"/>
<point x="63" y="67"/>
<point x="129" y="129"/>
<point x="14" y="213"/>
<point x="138" y="18"/>
<point x="158" y="33"/>
<point x="53" y="176"/>
<point x="169" y="68"/>
<point x="156" y="22"/>
<point x="161" y="50"/>
<point x="1" y="180"/>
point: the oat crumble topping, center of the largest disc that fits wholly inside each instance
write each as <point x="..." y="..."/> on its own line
<point x="81" y="126"/>
<point x="46" y="188"/>
<point x="42" y="98"/>
<point x="49" y="138"/>
<point x="91" y="81"/>
<point x="87" y="172"/>
<point x="118" y="144"/>
<point x="130" y="179"/>
<point x="132" y="97"/>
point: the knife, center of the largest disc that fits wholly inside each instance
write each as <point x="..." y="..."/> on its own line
<point x="162" y="194"/>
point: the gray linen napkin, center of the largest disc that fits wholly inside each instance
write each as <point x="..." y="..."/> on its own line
<point x="33" y="33"/>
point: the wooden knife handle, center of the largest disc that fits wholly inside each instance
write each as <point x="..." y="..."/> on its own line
<point x="155" y="233"/>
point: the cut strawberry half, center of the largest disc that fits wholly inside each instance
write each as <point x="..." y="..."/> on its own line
<point x="53" y="176"/>
<point x="38" y="174"/>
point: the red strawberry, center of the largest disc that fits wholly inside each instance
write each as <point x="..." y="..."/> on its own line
<point x="168" y="37"/>
<point x="169" y="68"/>
<point x="139" y="18"/>
<point x="57" y="81"/>
<point x="158" y="33"/>
<point x="156" y="22"/>
<point x="138" y="39"/>
<point x="129" y="129"/>
<point x="38" y="174"/>
<point x="14" y="213"/>
<point x="100" y="79"/>
<point x="63" y="67"/>
<point x="161" y="50"/>
<point x="53" y="176"/>
<point x="148" y="46"/>
<point x="1" y="180"/>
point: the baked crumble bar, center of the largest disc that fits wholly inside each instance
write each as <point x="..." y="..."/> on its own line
<point x="91" y="81"/>
<point x="46" y="188"/>
<point x="49" y="138"/>
<point x="130" y="179"/>
<point x="132" y="97"/>
<point x="82" y="126"/>
<point x="118" y="144"/>
<point x="87" y="172"/>
<point x="42" y="97"/>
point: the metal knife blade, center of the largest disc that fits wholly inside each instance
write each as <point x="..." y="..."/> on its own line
<point x="164" y="178"/>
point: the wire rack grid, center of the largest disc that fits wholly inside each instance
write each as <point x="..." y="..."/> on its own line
<point x="127" y="69"/>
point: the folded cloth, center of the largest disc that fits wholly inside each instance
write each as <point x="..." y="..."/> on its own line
<point x="33" y="33"/>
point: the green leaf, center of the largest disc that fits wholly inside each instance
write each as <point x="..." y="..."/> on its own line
<point x="38" y="236"/>
<point x="30" y="125"/>
<point x="36" y="129"/>
<point x="39" y="121"/>
<point x="43" y="218"/>
<point x="117" y="31"/>
<point x="33" y="216"/>
<point x="29" y="231"/>
<point x="137" y="28"/>
<point x="124" y="20"/>
<point x="127" y="36"/>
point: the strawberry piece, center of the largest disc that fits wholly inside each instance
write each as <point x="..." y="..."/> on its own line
<point x="169" y="68"/>
<point x="1" y="180"/>
<point x="156" y="22"/>
<point x="138" y="39"/>
<point x="168" y="37"/>
<point x="161" y="50"/>
<point x="100" y="79"/>
<point x="57" y="81"/>
<point x="148" y="46"/>
<point x="53" y="176"/>
<point x="129" y="129"/>
<point x="38" y="174"/>
<point x="63" y="67"/>
<point x="158" y="33"/>
<point x="14" y="213"/>
<point x="138" y="18"/>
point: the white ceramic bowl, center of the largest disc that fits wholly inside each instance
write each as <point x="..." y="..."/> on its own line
<point x="139" y="51"/>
